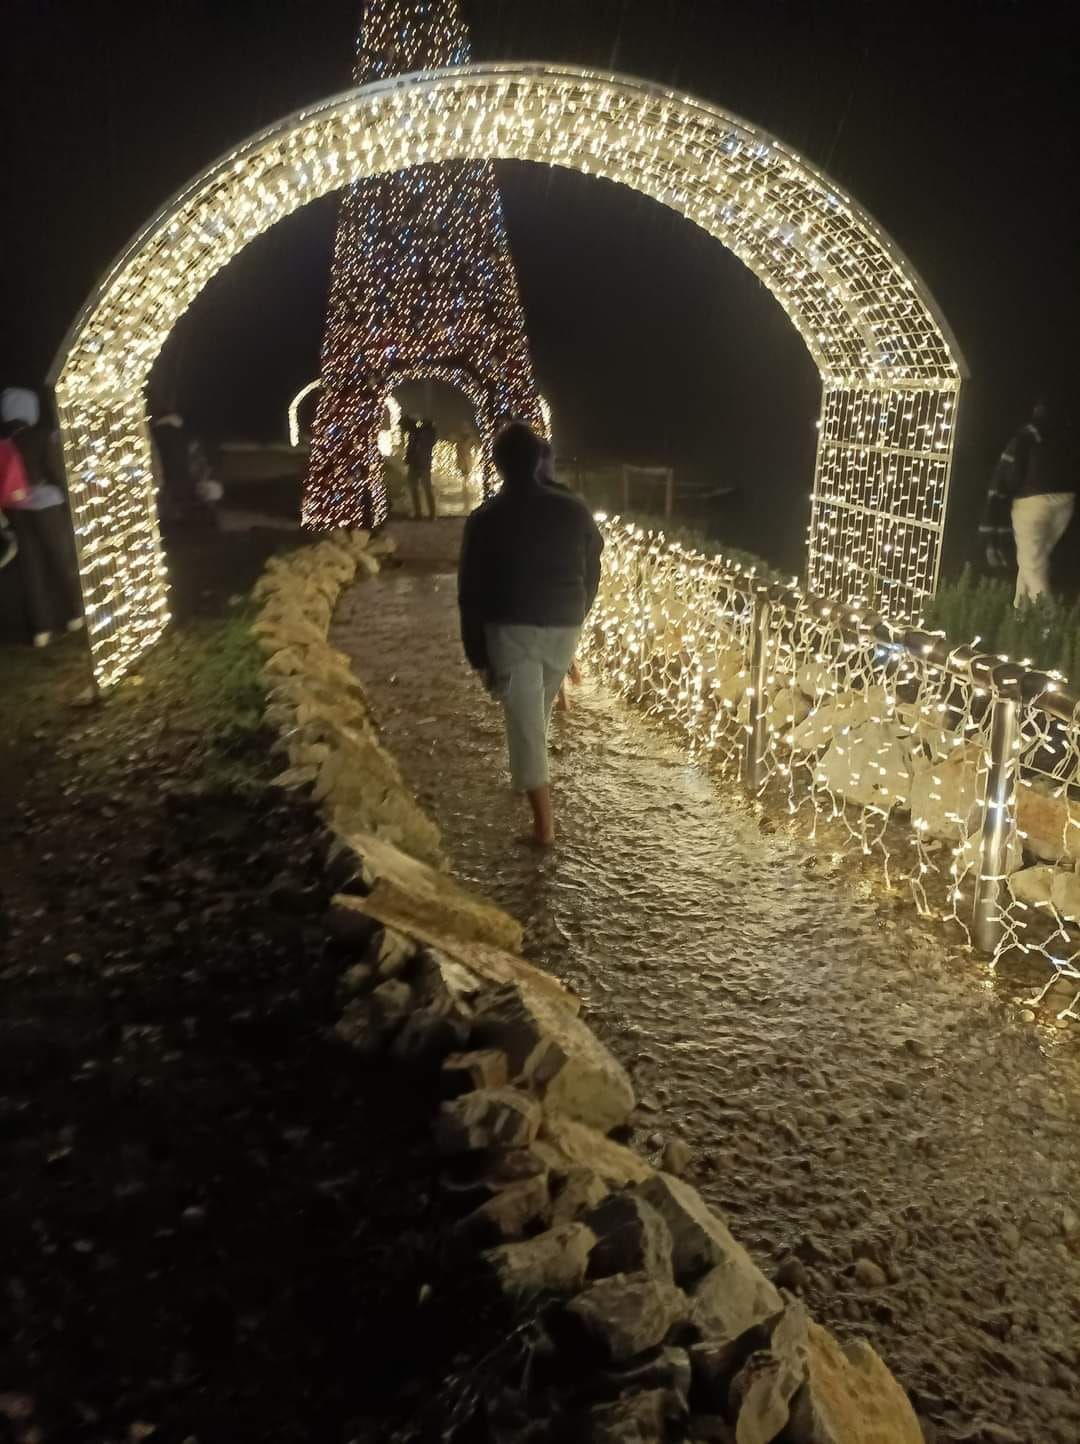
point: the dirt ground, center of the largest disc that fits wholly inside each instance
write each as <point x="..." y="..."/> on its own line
<point x="216" y="1224"/>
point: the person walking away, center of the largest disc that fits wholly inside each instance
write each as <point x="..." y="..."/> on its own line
<point x="39" y="520"/>
<point x="546" y="473"/>
<point x="418" y="454"/>
<point x="178" y="500"/>
<point x="528" y="575"/>
<point x="1033" y="474"/>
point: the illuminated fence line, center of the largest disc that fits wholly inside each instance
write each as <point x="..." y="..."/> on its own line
<point x="956" y="769"/>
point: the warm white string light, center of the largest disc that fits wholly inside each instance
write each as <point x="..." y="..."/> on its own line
<point x="883" y="746"/>
<point x="889" y="370"/>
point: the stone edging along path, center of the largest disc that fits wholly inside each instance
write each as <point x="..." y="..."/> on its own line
<point x="656" y="1323"/>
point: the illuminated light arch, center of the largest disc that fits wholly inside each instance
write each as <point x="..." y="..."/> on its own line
<point x="890" y="370"/>
<point x="294" y="409"/>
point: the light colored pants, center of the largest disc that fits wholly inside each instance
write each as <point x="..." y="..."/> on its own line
<point x="1038" y="525"/>
<point x="528" y="665"/>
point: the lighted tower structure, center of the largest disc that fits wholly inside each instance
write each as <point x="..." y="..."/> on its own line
<point x="423" y="287"/>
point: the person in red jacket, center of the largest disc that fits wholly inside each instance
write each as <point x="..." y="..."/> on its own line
<point x="40" y="522"/>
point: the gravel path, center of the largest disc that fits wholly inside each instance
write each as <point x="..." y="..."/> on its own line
<point x="858" y="1100"/>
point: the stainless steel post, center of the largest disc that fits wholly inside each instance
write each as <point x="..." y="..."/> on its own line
<point x="753" y="770"/>
<point x="997" y="826"/>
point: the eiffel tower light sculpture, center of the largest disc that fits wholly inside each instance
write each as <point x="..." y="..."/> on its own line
<point x="422" y="288"/>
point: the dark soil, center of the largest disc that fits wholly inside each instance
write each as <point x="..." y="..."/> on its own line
<point x="216" y="1223"/>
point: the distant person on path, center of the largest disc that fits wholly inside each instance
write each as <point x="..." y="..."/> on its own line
<point x="1032" y="476"/>
<point x="529" y="571"/>
<point x="418" y="453"/>
<point x="36" y="510"/>
<point x="176" y="483"/>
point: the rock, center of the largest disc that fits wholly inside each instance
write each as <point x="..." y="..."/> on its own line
<point x="357" y="1028"/>
<point x="787" y="709"/>
<point x="624" y="1315"/>
<point x="447" y="986"/>
<point x="700" y="1239"/>
<point x="553" y="1052"/>
<point x="495" y="965"/>
<point x="477" y="1177"/>
<point x="564" y="1144"/>
<point x="1032" y="885"/>
<point x="484" y="1068"/>
<point x="676" y="1157"/>
<point x="1065" y="894"/>
<point x="944" y="798"/>
<point x="870" y="765"/>
<point x="578" y="1190"/>
<point x="792" y="1275"/>
<point x="1051" y="825"/>
<point x="407" y="892"/>
<point x="508" y="1212"/>
<point x="868" y="1275"/>
<point x="426" y="1037"/>
<point x="634" y="1419"/>
<point x="631" y="1237"/>
<point x="552" y="1262"/>
<point x="487" y="1118"/>
<point x="391" y="1003"/>
<point x="763" y="1391"/>
<point x="391" y="952"/>
<point x="732" y="1297"/>
<point x="668" y="1368"/>
<point x="837" y="716"/>
<point x="709" y="1429"/>
<point x="360" y="978"/>
<point x="849" y="1397"/>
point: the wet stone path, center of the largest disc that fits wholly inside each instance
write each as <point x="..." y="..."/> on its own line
<point x="861" y="1104"/>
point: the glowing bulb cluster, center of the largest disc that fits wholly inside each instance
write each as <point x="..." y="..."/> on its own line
<point x="890" y="374"/>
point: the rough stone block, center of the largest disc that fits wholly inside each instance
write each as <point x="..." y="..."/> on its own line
<point x="552" y="1262"/>
<point x="626" y="1314"/>
<point x="553" y="1052"/>
<point x="631" y="1237"/>
<point x="849" y="1397"/>
<point x="487" y="1118"/>
<point x="701" y="1240"/>
<point x="578" y="1190"/>
<point x="732" y="1297"/>
<point x="480" y="1068"/>
<point x="408" y="893"/>
<point x="508" y="1212"/>
<point x="565" y="1144"/>
<point x="391" y="1003"/>
<point x="426" y="1037"/>
<point x="641" y="1418"/>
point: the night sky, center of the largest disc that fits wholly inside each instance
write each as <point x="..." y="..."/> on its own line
<point x="954" y="124"/>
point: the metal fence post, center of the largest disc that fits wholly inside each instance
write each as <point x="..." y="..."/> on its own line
<point x="753" y="770"/>
<point x="997" y="826"/>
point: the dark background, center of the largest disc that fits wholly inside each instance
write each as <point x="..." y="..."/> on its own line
<point x="953" y="124"/>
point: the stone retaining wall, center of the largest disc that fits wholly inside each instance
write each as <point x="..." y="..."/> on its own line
<point x="649" y="1321"/>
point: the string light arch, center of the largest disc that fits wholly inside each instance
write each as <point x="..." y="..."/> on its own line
<point x="890" y="370"/>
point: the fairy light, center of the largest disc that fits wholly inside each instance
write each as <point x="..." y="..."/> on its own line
<point x="294" y="410"/>
<point x="889" y="371"/>
<point x="423" y="284"/>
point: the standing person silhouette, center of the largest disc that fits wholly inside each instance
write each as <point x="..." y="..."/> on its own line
<point x="418" y="454"/>
<point x="528" y="575"/>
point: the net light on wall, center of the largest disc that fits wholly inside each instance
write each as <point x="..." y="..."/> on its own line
<point x="890" y="370"/>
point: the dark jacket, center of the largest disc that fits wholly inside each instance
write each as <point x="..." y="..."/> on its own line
<point x="420" y="446"/>
<point x="1032" y="465"/>
<point x="530" y="556"/>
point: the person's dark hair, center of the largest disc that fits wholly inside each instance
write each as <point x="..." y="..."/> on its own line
<point x="517" y="451"/>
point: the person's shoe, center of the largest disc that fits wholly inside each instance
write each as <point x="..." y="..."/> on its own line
<point x="42" y="639"/>
<point x="77" y="624"/>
